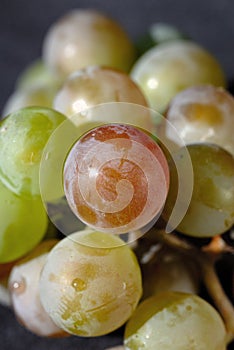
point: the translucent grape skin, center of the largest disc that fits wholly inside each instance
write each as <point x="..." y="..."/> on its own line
<point x="23" y="136"/>
<point x="24" y="290"/>
<point x="204" y="114"/>
<point x="94" y="85"/>
<point x="88" y="290"/>
<point x="22" y="226"/>
<point x="116" y="178"/>
<point x="173" y="66"/>
<point x="86" y="37"/>
<point x="211" y="210"/>
<point x="177" y="321"/>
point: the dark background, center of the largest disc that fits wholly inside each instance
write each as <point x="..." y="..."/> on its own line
<point x="23" y="25"/>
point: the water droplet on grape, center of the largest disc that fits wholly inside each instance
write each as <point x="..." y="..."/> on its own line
<point x="78" y="284"/>
<point x="18" y="286"/>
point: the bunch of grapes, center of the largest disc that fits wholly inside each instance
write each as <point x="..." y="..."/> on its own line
<point x="117" y="189"/>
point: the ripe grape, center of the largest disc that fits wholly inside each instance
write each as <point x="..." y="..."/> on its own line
<point x="204" y="114"/>
<point x="92" y="287"/>
<point x="175" y="321"/>
<point x="37" y="74"/>
<point x="212" y="205"/>
<point x="86" y="37"/>
<point x="173" y="66"/>
<point x="22" y="226"/>
<point x="116" y="178"/>
<point x="42" y="96"/>
<point x="24" y="289"/>
<point x="23" y="135"/>
<point x="94" y="85"/>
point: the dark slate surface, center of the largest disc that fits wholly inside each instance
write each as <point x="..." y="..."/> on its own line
<point x="23" y="24"/>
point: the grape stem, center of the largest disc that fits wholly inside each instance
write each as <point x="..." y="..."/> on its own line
<point x="218" y="295"/>
<point x="206" y="263"/>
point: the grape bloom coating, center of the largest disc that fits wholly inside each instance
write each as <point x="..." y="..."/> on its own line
<point x="116" y="178"/>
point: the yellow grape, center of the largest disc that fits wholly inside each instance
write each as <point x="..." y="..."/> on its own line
<point x="177" y="321"/>
<point x="173" y="66"/>
<point x="94" y="85"/>
<point x="87" y="37"/>
<point x="92" y="287"/>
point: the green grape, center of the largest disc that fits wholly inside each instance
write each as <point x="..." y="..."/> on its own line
<point x="212" y="205"/>
<point x="22" y="226"/>
<point x="42" y="96"/>
<point x="37" y="74"/>
<point x="204" y="114"/>
<point x="92" y="287"/>
<point x="172" y="66"/>
<point x="23" y="136"/>
<point x="94" y="85"/>
<point x="177" y="321"/>
<point x="86" y="37"/>
<point x="24" y="291"/>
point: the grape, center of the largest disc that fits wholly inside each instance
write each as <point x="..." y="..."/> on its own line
<point x="95" y="85"/>
<point x="37" y="74"/>
<point x="173" y="66"/>
<point x="212" y="206"/>
<point x="204" y="114"/>
<point x="24" y="289"/>
<point x="22" y="226"/>
<point x="23" y="135"/>
<point x="116" y="178"/>
<point x="42" y="96"/>
<point x="169" y="271"/>
<point x="175" y="321"/>
<point x="86" y="37"/>
<point x="88" y="290"/>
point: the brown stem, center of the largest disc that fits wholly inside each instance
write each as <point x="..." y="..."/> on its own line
<point x="218" y="295"/>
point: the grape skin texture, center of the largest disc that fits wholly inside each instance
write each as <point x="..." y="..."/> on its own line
<point x="90" y="291"/>
<point x="170" y="67"/>
<point x="24" y="289"/>
<point x="175" y="321"/>
<point x="116" y="178"/>
<point x="204" y="114"/>
<point x="22" y="226"/>
<point x="94" y="85"/>
<point x="23" y="135"/>
<point x="86" y="37"/>
<point x="211" y="210"/>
